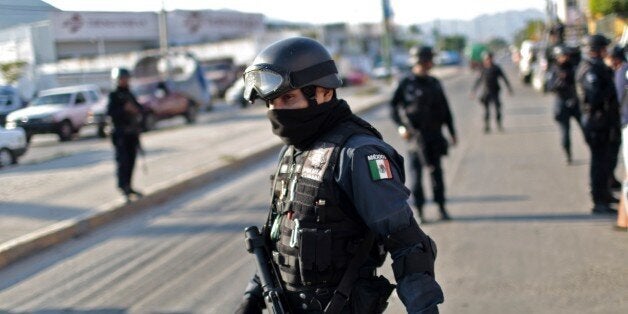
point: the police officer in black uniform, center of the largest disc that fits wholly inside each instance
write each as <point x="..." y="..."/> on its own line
<point x="420" y="109"/>
<point x="126" y="115"/>
<point x="600" y="117"/>
<point x="338" y="190"/>
<point x="562" y="82"/>
<point x="489" y="79"/>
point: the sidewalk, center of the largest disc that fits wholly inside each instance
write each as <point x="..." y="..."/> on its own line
<point x="49" y="202"/>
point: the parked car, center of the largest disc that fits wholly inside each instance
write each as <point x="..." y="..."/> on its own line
<point x="161" y="101"/>
<point x="221" y="73"/>
<point x="448" y="57"/>
<point x="182" y="72"/>
<point x="9" y="101"/>
<point x="234" y="95"/>
<point x="12" y="145"/>
<point x="63" y="111"/>
<point x="98" y="117"/>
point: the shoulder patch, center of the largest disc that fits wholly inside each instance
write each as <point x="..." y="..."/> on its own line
<point x="379" y="167"/>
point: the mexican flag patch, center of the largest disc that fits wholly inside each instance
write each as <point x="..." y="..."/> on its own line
<point x="379" y="166"/>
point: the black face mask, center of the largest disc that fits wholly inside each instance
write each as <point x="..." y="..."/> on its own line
<point x="301" y="127"/>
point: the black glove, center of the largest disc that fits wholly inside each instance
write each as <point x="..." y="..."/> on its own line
<point x="249" y="305"/>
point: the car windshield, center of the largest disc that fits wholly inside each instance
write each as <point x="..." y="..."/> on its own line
<point x="145" y="89"/>
<point x="56" y="99"/>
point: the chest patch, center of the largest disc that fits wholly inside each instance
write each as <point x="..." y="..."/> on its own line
<point x="379" y="167"/>
<point x="316" y="163"/>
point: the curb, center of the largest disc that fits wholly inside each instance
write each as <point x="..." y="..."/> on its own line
<point x="60" y="232"/>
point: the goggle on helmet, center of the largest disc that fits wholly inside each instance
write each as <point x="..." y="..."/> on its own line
<point x="268" y="81"/>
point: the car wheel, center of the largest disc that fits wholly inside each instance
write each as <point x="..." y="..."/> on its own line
<point x="6" y="158"/>
<point x="190" y="113"/>
<point x="65" y="131"/>
<point x="149" y="122"/>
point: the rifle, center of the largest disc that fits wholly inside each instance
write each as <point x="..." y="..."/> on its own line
<point x="271" y="284"/>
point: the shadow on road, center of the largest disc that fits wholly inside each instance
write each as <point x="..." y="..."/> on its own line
<point x="35" y="210"/>
<point x="487" y="198"/>
<point x="76" y="311"/>
<point x="527" y="111"/>
<point x="532" y="218"/>
<point x="73" y="160"/>
<point x="528" y="129"/>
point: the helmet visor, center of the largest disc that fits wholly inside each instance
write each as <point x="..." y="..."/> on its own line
<point x="264" y="83"/>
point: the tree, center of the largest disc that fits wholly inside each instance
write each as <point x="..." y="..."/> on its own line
<point x="454" y="42"/>
<point x="497" y="44"/>
<point x="415" y="30"/>
<point x="11" y="71"/>
<point x="605" y="7"/>
<point x="532" y="31"/>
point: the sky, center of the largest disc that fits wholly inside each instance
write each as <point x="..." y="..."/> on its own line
<point x="319" y="11"/>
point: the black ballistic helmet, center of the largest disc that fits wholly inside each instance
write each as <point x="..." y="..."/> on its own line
<point x="618" y="52"/>
<point x="595" y="42"/>
<point x="116" y="73"/>
<point x="289" y="64"/>
<point x="421" y="54"/>
<point x="560" y="50"/>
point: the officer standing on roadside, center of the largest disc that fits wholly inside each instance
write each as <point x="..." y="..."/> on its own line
<point x="338" y="190"/>
<point x="420" y="109"/>
<point x="600" y="118"/>
<point x="489" y="79"/>
<point x="126" y="115"/>
<point x="562" y="82"/>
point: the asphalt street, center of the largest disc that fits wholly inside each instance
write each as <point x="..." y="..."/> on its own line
<point x="522" y="239"/>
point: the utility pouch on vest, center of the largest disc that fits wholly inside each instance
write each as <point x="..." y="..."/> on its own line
<point x="370" y="295"/>
<point x="314" y="253"/>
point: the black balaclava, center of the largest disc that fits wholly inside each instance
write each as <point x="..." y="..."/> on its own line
<point x="301" y="127"/>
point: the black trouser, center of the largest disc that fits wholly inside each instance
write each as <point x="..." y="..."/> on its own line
<point x="487" y="100"/>
<point x="564" y="110"/>
<point x="428" y="156"/>
<point x="599" y="171"/>
<point x="126" y="146"/>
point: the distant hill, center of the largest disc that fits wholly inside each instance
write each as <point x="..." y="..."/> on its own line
<point x="14" y="12"/>
<point x="486" y="26"/>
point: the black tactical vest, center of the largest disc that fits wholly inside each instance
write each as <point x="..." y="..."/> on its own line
<point x="315" y="230"/>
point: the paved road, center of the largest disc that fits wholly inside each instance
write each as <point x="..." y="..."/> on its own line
<point x="522" y="239"/>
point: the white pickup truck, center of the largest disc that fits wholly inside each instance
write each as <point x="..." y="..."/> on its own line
<point x="63" y="111"/>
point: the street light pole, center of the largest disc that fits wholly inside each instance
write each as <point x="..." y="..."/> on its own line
<point x="386" y="38"/>
<point x="163" y="29"/>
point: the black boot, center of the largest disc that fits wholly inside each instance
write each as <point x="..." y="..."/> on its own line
<point x="603" y="208"/>
<point x="443" y="212"/>
<point x="419" y="211"/>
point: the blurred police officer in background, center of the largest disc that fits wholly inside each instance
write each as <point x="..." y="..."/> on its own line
<point x="562" y="82"/>
<point x="420" y="109"/>
<point x="337" y="185"/>
<point x="126" y="115"/>
<point x="600" y="118"/>
<point x="489" y="79"/>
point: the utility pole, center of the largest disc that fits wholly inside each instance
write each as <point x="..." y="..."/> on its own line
<point x="386" y="38"/>
<point x="163" y="29"/>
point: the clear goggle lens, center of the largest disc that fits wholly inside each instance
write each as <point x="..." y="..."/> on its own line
<point x="263" y="81"/>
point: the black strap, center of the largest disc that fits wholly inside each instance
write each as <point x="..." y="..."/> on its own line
<point x="343" y="291"/>
<point x="312" y="73"/>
